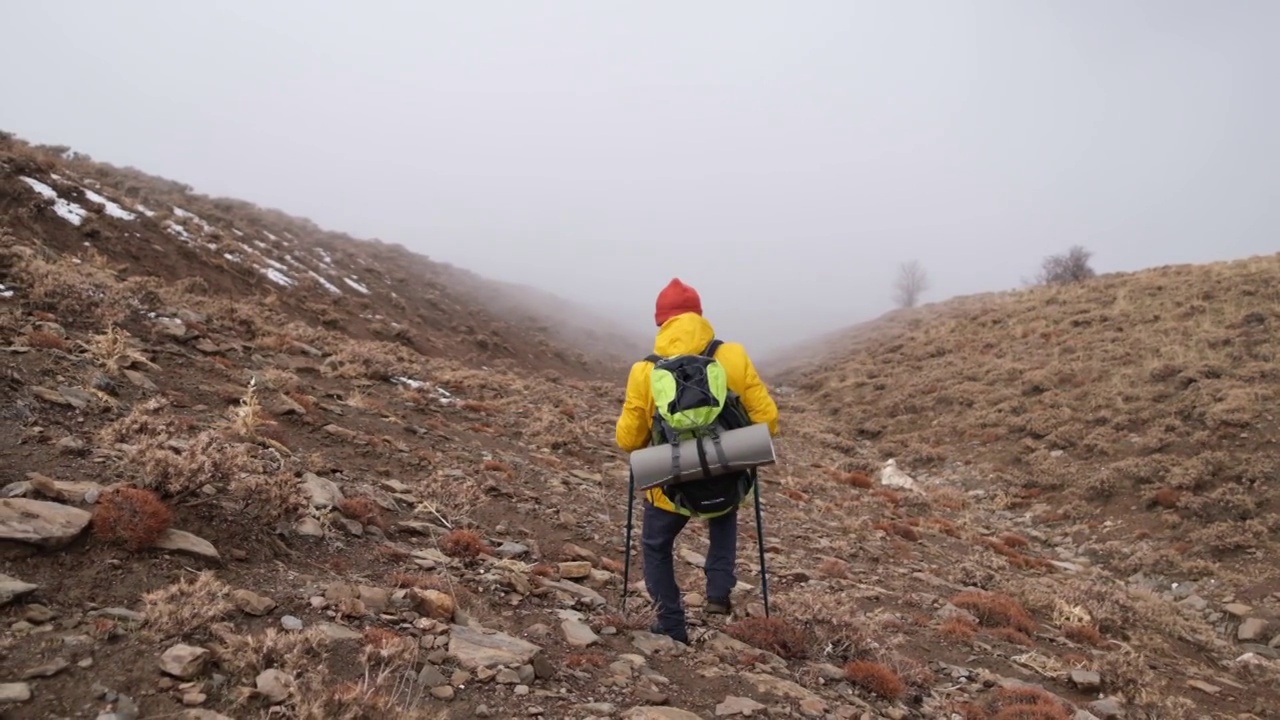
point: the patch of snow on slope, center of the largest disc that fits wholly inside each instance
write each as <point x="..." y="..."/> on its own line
<point x="186" y="215"/>
<point x="233" y="257"/>
<point x="66" y="210"/>
<point x="177" y="229"/>
<point x="109" y="206"/>
<point x="144" y="210"/>
<point x="328" y="285"/>
<point x="325" y="257"/>
<point x="446" y="398"/>
<point x="5" y="292"/>
<point x="273" y="237"/>
<point x="355" y="284"/>
<point x="237" y="232"/>
<point x="277" y="265"/>
<point x="277" y="277"/>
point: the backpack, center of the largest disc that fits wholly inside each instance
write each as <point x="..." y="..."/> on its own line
<point x="693" y="399"/>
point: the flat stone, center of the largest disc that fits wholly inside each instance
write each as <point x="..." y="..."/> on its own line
<point x="185" y="542"/>
<point x="274" y="685"/>
<point x="658" y="712"/>
<point x="252" y="603"/>
<point x="321" y="492"/>
<point x="15" y="692"/>
<point x="1086" y="680"/>
<point x="1237" y="610"/>
<point x="47" y="525"/>
<point x="1204" y="687"/>
<point x="575" y="569"/>
<point x="734" y="705"/>
<point x="183" y="661"/>
<point x="578" y="633"/>
<point x="1251" y="629"/>
<point x="12" y="588"/>
<point x="474" y="648"/>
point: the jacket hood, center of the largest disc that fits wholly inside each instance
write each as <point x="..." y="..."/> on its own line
<point x="684" y="334"/>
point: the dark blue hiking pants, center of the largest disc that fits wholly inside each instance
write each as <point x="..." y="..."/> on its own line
<point x="658" y="538"/>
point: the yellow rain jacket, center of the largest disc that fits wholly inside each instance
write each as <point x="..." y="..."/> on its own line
<point x="684" y="334"/>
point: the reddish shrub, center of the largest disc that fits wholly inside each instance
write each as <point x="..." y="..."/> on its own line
<point x="891" y="497"/>
<point x="857" y="479"/>
<point x="365" y="511"/>
<point x="1013" y="540"/>
<point x="834" y="567"/>
<point x="1013" y="637"/>
<point x="543" y="570"/>
<point x="1027" y="703"/>
<point x="958" y="627"/>
<point x="1166" y="498"/>
<point x="461" y="543"/>
<point x="795" y="495"/>
<point x="995" y="610"/>
<point x="133" y="517"/>
<point x="875" y="678"/>
<point x="46" y="340"/>
<point x="305" y="401"/>
<point x="900" y="529"/>
<point x="774" y="635"/>
<point x="1085" y="634"/>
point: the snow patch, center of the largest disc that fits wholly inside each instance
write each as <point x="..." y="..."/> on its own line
<point x="277" y="265"/>
<point x="5" y="292"/>
<point x="325" y="257"/>
<point x="186" y="215"/>
<point x="355" y="284"/>
<point x="273" y="237"/>
<point x="144" y="210"/>
<point x="445" y="397"/>
<point x="177" y="229"/>
<point x="109" y="206"/>
<point x="233" y="257"/>
<point x="237" y="232"/>
<point x="328" y="285"/>
<point x="277" y="277"/>
<point x="66" y="210"/>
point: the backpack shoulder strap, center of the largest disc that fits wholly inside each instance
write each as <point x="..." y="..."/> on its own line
<point x="655" y="359"/>
<point x="712" y="347"/>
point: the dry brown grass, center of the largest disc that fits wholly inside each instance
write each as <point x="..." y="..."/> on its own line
<point x="189" y="605"/>
<point x="1135" y="378"/>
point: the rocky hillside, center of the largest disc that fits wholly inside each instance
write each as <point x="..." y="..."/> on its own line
<point x="234" y="484"/>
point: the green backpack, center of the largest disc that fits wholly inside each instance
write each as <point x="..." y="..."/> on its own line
<point x="693" y="399"/>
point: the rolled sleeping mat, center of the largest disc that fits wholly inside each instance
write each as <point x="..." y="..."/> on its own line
<point x="744" y="448"/>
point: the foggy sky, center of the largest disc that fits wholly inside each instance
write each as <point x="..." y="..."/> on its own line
<point x="781" y="157"/>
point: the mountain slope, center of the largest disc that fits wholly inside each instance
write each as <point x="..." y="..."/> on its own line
<point x="225" y="495"/>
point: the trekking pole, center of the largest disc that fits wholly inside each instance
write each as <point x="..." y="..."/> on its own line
<point x="764" y="575"/>
<point x="626" y="558"/>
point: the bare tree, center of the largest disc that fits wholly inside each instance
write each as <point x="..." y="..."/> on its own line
<point x="910" y="284"/>
<point x="1069" y="267"/>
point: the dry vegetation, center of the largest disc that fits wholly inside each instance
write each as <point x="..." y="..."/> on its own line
<point x="373" y="475"/>
<point x="1152" y="391"/>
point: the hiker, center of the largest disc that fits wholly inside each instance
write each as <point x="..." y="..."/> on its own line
<point x="683" y="331"/>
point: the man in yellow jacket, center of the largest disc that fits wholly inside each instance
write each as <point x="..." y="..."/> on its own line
<point x="683" y="330"/>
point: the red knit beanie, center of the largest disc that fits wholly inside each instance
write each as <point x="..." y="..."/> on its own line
<point x="676" y="298"/>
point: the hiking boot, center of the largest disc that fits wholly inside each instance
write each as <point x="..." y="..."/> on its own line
<point x="719" y="607"/>
<point x="681" y="637"/>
